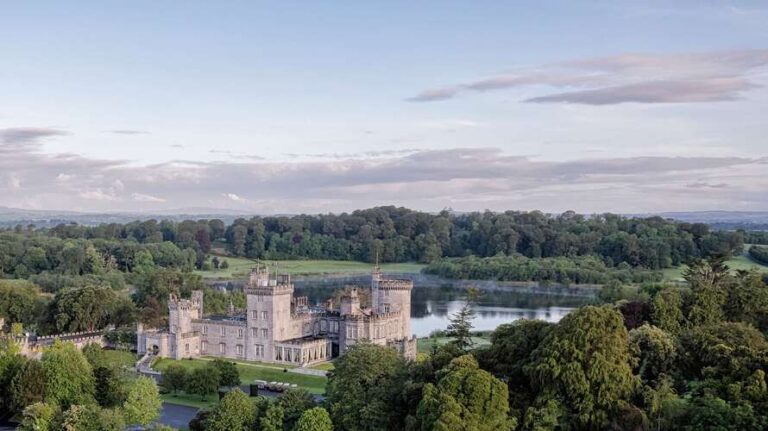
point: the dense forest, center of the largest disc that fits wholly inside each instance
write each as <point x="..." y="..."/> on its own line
<point x="389" y="233"/>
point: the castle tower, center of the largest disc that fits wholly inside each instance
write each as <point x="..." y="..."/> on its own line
<point x="268" y="299"/>
<point x="395" y="295"/>
<point x="181" y="312"/>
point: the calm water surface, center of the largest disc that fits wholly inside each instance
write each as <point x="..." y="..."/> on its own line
<point x="432" y="307"/>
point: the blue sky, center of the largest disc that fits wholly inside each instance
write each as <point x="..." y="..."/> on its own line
<point x="331" y="106"/>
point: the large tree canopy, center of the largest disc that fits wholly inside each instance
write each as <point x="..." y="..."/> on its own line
<point x="584" y="362"/>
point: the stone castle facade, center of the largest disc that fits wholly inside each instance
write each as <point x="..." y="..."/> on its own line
<point x="278" y="327"/>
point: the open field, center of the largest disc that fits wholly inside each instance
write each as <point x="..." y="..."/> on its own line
<point x="239" y="267"/>
<point x="250" y="372"/>
<point x="741" y="262"/>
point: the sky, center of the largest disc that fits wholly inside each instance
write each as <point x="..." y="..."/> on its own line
<point x="314" y="107"/>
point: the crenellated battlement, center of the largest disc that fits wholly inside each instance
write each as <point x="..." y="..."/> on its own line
<point x="395" y="284"/>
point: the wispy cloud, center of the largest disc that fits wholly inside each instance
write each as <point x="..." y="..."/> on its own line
<point x="461" y="178"/>
<point x="639" y="78"/>
<point x="28" y="135"/>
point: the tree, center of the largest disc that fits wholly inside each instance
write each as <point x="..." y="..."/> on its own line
<point x="294" y="402"/>
<point x="465" y="398"/>
<point x="314" y="419"/>
<point x="235" y="412"/>
<point x="203" y="381"/>
<point x="654" y="350"/>
<point x="11" y="365"/>
<point x="272" y="419"/>
<point x="110" y="386"/>
<point x="82" y="309"/>
<point x="38" y="417"/>
<point x="227" y="371"/>
<point x="175" y="378"/>
<point x="707" y="279"/>
<point x="142" y="403"/>
<point x="363" y="388"/>
<point x="68" y="375"/>
<point x="584" y="363"/>
<point x="28" y="386"/>
<point x="667" y="310"/>
<point x="94" y="354"/>
<point x="460" y="328"/>
<point x="224" y="264"/>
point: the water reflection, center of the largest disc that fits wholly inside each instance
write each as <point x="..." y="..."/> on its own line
<point x="431" y="307"/>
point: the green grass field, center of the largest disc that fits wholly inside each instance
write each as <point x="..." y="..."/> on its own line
<point x="736" y="263"/>
<point x="239" y="267"/>
<point x="120" y="358"/>
<point x="250" y="372"/>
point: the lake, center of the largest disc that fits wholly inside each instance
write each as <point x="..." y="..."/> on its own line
<point x="432" y="305"/>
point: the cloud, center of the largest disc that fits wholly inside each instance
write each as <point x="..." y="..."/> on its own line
<point x="638" y="78"/>
<point x="461" y="178"/>
<point x="27" y="135"/>
<point x="129" y="132"/>
<point x="712" y="90"/>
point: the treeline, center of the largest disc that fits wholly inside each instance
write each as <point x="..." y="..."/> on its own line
<point x="561" y="270"/>
<point x="399" y="234"/>
<point x="390" y="234"/>
<point x="760" y="254"/>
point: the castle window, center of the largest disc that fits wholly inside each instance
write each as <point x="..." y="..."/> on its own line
<point x="222" y="348"/>
<point x="259" y="350"/>
<point x="254" y="332"/>
<point x="254" y="314"/>
<point x="186" y="348"/>
<point x="204" y="346"/>
<point x="264" y="332"/>
<point x="205" y="329"/>
<point x="240" y="333"/>
<point x="288" y="355"/>
<point x="263" y="315"/>
<point x="278" y="353"/>
<point x="259" y="298"/>
<point x="223" y="331"/>
<point x="240" y="350"/>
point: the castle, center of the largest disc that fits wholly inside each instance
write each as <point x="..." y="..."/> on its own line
<point x="278" y="327"/>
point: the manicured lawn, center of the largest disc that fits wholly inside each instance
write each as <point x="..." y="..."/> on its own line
<point x="250" y="372"/>
<point x="239" y="267"/>
<point x="120" y="358"/>
<point x="424" y="345"/>
<point x="741" y="262"/>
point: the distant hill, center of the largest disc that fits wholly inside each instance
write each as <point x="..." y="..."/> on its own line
<point x="748" y="220"/>
<point x="10" y="217"/>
